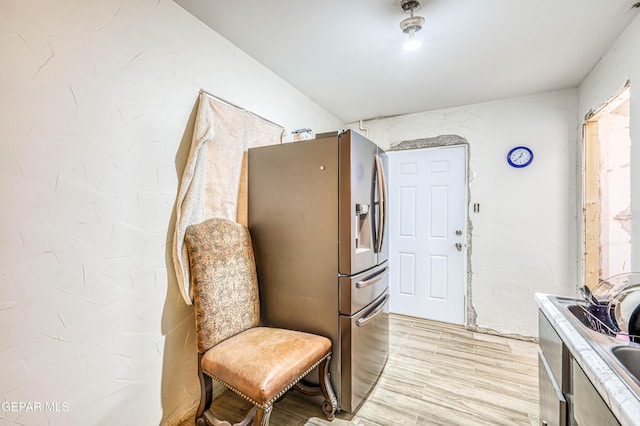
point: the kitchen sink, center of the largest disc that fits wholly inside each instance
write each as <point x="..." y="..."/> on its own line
<point x="629" y="357"/>
<point x="620" y="354"/>
<point x="578" y="312"/>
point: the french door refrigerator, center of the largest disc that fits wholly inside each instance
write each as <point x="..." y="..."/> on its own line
<point x="317" y="217"/>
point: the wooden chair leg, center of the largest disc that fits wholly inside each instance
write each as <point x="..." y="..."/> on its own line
<point x="330" y="404"/>
<point x="262" y="416"/>
<point x="206" y="394"/>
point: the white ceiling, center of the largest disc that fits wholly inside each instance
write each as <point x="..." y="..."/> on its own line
<point x="347" y="54"/>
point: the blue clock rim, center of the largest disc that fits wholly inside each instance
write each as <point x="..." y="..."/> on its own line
<point x="519" y="166"/>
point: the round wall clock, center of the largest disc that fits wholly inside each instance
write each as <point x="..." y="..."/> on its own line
<point x="519" y="157"/>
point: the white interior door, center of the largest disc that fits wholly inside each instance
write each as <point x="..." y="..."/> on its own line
<point x="427" y="230"/>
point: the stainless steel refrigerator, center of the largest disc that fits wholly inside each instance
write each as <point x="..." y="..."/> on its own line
<point x="317" y="216"/>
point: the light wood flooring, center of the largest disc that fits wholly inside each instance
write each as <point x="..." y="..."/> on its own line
<point x="436" y="374"/>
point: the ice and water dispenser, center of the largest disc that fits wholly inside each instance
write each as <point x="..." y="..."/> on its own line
<point x="363" y="227"/>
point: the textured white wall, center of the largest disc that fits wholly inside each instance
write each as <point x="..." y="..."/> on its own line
<point x="619" y="64"/>
<point x="96" y="109"/>
<point x="523" y="239"/>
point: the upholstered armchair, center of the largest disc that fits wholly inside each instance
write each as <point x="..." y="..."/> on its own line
<point x="258" y="363"/>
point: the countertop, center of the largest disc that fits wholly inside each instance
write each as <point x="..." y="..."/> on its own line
<point x="621" y="400"/>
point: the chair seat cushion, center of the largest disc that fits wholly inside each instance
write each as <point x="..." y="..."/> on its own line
<point x="262" y="363"/>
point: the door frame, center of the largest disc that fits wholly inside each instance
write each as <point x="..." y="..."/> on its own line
<point x="590" y="200"/>
<point x="449" y="141"/>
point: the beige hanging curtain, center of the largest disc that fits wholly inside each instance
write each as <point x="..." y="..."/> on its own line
<point x="214" y="183"/>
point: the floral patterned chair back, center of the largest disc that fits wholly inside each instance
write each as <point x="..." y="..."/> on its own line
<point x="224" y="280"/>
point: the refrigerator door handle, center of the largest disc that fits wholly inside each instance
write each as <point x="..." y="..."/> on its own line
<point x="370" y="280"/>
<point x="383" y="209"/>
<point x="377" y="311"/>
<point x="382" y="200"/>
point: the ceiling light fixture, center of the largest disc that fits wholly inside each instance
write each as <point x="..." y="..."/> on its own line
<point x="411" y="25"/>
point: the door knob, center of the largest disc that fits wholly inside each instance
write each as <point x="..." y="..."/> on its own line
<point x="459" y="246"/>
<point x="458" y="232"/>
